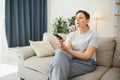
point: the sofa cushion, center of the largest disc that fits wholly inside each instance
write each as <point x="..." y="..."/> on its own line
<point x="42" y="48"/>
<point x="25" y="52"/>
<point x="116" y="59"/>
<point x="96" y="75"/>
<point x="38" y="64"/>
<point x="105" y="51"/>
<point x="112" y="74"/>
<point x="51" y="38"/>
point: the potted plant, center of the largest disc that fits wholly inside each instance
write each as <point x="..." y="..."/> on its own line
<point x="62" y="25"/>
<point x="71" y="22"/>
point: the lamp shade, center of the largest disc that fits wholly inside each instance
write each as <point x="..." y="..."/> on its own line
<point x="97" y="15"/>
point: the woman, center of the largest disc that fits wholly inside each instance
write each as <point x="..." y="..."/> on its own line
<point x="75" y="56"/>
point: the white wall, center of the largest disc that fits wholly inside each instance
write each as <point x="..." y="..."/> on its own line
<point x="68" y="8"/>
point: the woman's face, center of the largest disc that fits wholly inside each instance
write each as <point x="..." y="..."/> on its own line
<point x="80" y="20"/>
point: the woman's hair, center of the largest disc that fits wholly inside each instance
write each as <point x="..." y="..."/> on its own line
<point x="84" y="12"/>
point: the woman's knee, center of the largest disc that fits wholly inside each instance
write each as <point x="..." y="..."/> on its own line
<point x="60" y="55"/>
<point x="60" y="52"/>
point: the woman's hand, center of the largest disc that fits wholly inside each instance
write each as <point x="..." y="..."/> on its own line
<point x="60" y="43"/>
<point x="63" y="47"/>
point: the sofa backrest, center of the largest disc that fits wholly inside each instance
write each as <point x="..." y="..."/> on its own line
<point x="51" y="38"/>
<point x="116" y="59"/>
<point x="104" y="52"/>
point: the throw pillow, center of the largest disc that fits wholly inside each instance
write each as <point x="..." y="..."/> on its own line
<point x="42" y="48"/>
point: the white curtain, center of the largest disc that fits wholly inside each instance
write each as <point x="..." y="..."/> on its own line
<point x="3" y="40"/>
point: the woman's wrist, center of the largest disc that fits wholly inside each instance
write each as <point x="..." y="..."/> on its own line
<point x="68" y="50"/>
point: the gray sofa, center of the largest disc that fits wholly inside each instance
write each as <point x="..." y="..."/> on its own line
<point x="31" y="67"/>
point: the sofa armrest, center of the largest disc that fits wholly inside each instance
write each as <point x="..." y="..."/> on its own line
<point x="25" y="52"/>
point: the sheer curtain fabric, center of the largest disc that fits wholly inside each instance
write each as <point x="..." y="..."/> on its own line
<point x="3" y="41"/>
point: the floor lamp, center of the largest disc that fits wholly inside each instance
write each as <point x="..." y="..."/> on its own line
<point x="97" y="16"/>
<point x="96" y="21"/>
